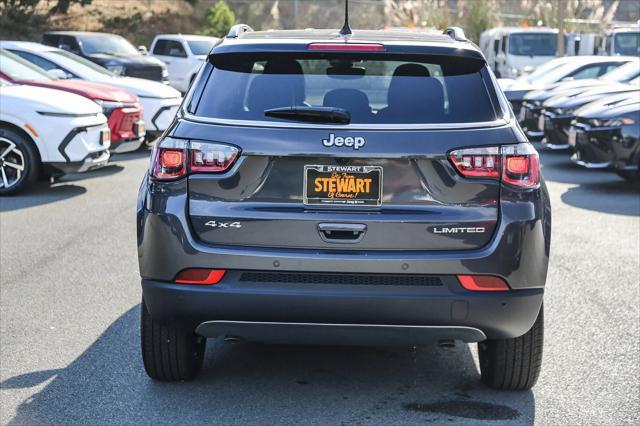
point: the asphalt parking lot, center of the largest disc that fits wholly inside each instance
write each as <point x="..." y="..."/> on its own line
<point x="69" y="324"/>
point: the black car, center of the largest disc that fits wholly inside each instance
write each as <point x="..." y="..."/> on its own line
<point x="111" y="51"/>
<point x="558" y="111"/>
<point x="607" y="134"/>
<point x="325" y="187"/>
<point x="579" y="73"/>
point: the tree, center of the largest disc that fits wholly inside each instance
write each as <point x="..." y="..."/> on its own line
<point x="477" y="16"/>
<point x="218" y="20"/>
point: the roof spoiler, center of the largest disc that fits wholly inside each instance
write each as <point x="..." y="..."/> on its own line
<point x="238" y="30"/>
<point x="456" y="33"/>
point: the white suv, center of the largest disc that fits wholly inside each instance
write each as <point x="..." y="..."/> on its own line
<point x="183" y="54"/>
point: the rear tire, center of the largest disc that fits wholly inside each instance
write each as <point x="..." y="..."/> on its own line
<point x="513" y="364"/>
<point x="169" y="353"/>
<point x="19" y="162"/>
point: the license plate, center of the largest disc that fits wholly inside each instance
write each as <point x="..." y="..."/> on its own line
<point x="343" y="185"/>
<point x="572" y="136"/>
<point x="541" y="122"/>
<point x="139" y="129"/>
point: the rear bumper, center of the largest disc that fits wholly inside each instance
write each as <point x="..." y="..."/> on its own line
<point x="556" y="131"/>
<point x="328" y="313"/>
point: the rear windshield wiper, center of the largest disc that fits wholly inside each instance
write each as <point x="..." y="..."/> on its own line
<point x="311" y="114"/>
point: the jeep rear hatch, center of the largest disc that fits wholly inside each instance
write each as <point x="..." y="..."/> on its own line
<point x="381" y="180"/>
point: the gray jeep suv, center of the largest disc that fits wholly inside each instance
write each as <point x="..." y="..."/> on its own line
<point x="371" y="188"/>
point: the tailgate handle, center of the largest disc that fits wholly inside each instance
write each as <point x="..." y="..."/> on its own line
<point x="342" y="233"/>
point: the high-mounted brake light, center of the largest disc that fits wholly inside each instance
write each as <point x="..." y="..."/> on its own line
<point x="482" y="283"/>
<point x="174" y="159"/>
<point x="200" y="276"/>
<point x="517" y="165"/>
<point x="362" y="47"/>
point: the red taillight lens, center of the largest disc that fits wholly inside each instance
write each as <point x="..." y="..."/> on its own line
<point x="212" y="158"/>
<point x="173" y="158"/>
<point x="169" y="164"/>
<point x="200" y="276"/>
<point x="517" y="165"/>
<point x="477" y="162"/>
<point x="482" y="283"/>
<point x="363" y="47"/>
<point x="521" y="166"/>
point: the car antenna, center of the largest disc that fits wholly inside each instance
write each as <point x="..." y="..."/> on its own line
<point x="346" y="30"/>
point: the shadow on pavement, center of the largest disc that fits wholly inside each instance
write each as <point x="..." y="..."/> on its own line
<point x="108" y="170"/>
<point x="598" y="190"/>
<point x="265" y="384"/>
<point x="40" y="193"/>
<point x="136" y="155"/>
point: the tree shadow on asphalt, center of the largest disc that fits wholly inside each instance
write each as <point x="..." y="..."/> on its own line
<point x="43" y="192"/>
<point x="597" y="190"/>
<point x="269" y="384"/>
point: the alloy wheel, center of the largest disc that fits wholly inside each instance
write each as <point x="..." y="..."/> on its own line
<point x="12" y="163"/>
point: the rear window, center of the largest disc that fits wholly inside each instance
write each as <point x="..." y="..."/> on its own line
<point x="373" y="88"/>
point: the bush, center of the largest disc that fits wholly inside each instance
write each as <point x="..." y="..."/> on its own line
<point x="219" y="19"/>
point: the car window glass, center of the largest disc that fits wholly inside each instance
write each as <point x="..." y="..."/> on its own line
<point x="627" y="44"/>
<point x="79" y="66"/>
<point x="588" y="71"/>
<point x="51" y="40"/>
<point x="373" y="89"/>
<point x="20" y="69"/>
<point x="200" y="47"/>
<point x="36" y="60"/>
<point x="175" y="49"/>
<point x="160" y="47"/>
<point x="532" y="44"/>
<point x="70" y="42"/>
<point x="106" y="43"/>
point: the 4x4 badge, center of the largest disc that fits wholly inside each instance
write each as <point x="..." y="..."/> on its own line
<point x="356" y="142"/>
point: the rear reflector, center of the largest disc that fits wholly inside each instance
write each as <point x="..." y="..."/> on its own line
<point x="367" y="47"/>
<point x="200" y="276"/>
<point x="482" y="283"/>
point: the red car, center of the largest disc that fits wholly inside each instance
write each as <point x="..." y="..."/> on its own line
<point x="122" y="109"/>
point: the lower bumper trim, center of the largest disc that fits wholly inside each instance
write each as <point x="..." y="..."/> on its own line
<point x="589" y="165"/>
<point x="331" y="334"/>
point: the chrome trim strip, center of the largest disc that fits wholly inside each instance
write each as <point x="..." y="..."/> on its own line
<point x="359" y="126"/>
<point x="588" y="165"/>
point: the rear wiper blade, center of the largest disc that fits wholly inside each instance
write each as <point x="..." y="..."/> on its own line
<point x="311" y="114"/>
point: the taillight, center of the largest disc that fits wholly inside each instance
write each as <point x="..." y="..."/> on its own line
<point x="175" y="158"/>
<point x="362" y="47"/>
<point x="169" y="163"/>
<point x="520" y="165"/>
<point x="482" y="283"/>
<point x="200" y="276"/>
<point x="517" y="165"/>
<point x="213" y="158"/>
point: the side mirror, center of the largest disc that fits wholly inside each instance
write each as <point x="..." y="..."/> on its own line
<point x="143" y="50"/>
<point x="58" y="73"/>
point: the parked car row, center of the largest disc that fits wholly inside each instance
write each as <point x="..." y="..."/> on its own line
<point x="514" y="51"/>
<point x="587" y="105"/>
<point x="63" y="113"/>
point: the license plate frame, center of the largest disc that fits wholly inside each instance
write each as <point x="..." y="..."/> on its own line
<point x="352" y="178"/>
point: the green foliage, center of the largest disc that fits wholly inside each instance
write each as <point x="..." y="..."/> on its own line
<point x="218" y="20"/>
<point x="478" y="16"/>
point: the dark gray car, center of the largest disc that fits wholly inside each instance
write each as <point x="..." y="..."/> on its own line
<point x="364" y="189"/>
